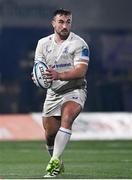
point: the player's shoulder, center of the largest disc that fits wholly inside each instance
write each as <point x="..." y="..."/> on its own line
<point x="74" y="36"/>
<point x="46" y="39"/>
<point x="77" y="40"/>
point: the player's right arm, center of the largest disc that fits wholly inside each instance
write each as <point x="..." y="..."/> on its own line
<point x="39" y="52"/>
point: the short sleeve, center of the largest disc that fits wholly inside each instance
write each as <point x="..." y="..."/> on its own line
<point x="81" y="52"/>
<point x="39" y="52"/>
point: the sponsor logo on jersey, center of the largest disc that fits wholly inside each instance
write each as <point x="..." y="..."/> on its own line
<point x="65" y="51"/>
<point x="85" y="52"/>
<point x="74" y="97"/>
<point x="48" y="50"/>
<point x="61" y="65"/>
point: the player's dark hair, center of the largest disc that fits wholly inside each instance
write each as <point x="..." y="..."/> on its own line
<point x="62" y="12"/>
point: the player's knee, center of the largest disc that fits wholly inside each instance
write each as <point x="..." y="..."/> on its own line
<point x="67" y="121"/>
<point x="68" y="117"/>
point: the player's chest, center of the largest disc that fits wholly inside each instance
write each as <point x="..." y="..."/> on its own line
<point x="57" y="53"/>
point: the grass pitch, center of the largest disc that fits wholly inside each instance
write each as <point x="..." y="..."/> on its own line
<point x="82" y="159"/>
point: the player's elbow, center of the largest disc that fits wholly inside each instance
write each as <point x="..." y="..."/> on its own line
<point x="82" y="71"/>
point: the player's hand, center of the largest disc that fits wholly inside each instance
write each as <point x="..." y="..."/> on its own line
<point x="52" y="74"/>
<point x="33" y="79"/>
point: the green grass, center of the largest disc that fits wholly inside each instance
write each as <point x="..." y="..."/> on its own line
<point x="83" y="160"/>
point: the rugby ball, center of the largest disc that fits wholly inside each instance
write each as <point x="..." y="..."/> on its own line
<point x="39" y="70"/>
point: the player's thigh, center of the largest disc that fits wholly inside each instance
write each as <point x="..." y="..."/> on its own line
<point x="70" y="111"/>
<point x="51" y="124"/>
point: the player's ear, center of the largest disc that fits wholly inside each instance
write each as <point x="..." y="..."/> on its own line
<point x="53" y="23"/>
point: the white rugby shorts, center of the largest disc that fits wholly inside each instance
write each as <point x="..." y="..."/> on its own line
<point x="53" y="102"/>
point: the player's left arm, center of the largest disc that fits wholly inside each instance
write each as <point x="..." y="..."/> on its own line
<point x="79" y="71"/>
<point x="81" y="60"/>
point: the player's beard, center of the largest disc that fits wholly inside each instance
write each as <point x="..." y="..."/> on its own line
<point x="63" y="34"/>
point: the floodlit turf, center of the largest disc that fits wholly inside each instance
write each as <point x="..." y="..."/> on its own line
<point x="82" y="159"/>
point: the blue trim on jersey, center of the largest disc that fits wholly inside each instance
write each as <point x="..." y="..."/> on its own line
<point x="85" y="52"/>
<point x="64" y="132"/>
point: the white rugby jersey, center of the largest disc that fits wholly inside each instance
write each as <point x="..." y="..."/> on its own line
<point x="63" y="57"/>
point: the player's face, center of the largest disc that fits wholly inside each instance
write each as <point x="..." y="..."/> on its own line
<point x="62" y="25"/>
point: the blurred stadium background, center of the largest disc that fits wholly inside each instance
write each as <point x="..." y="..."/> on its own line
<point x="106" y="25"/>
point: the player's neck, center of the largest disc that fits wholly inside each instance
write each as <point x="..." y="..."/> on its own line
<point x="59" y="39"/>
